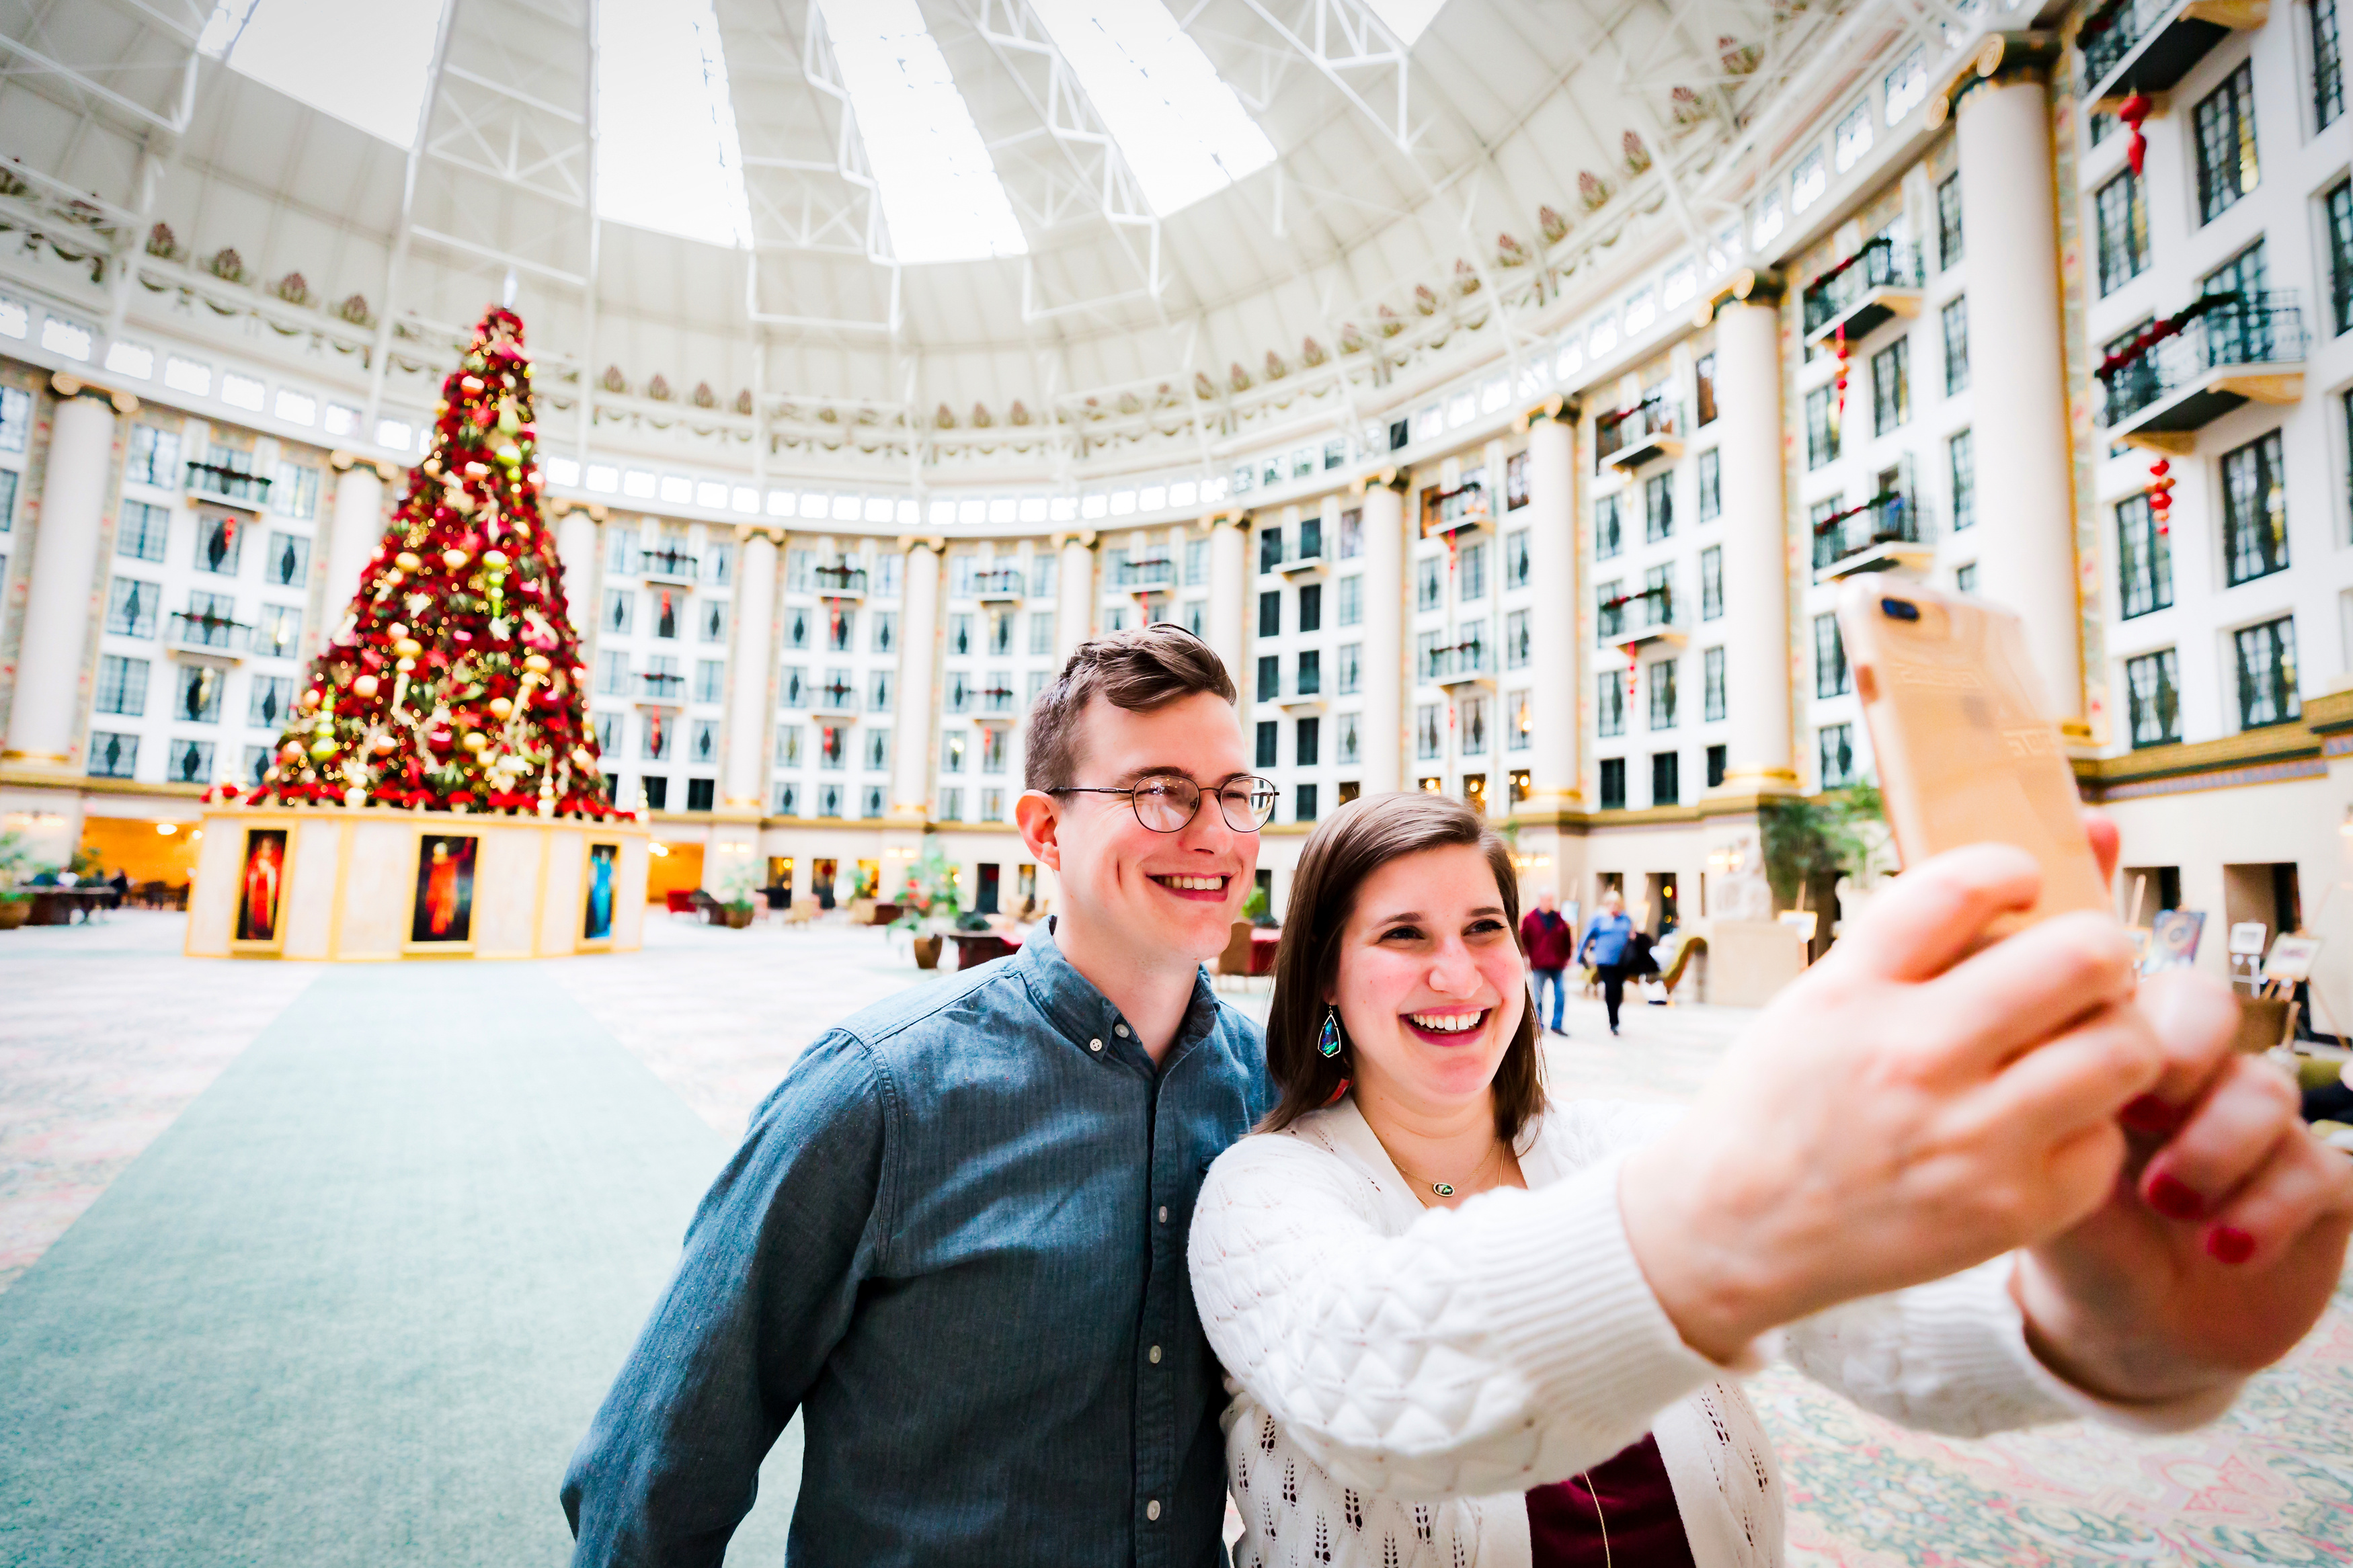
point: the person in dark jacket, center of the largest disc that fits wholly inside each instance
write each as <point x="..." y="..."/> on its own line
<point x="1608" y="937"/>
<point x="1549" y="941"/>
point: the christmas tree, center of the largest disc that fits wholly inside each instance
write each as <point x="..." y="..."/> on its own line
<point x="454" y="683"/>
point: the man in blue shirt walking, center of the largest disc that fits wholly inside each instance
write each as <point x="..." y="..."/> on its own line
<point x="1607" y="937"/>
<point x="954" y="1236"/>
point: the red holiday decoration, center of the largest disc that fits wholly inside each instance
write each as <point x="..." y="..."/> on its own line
<point x="455" y="680"/>
<point x="2132" y="112"/>
<point x="1842" y="353"/>
<point x="2160" y="495"/>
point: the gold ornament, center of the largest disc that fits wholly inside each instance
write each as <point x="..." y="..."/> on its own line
<point x="453" y="558"/>
<point x="407" y="561"/>
<point x="364" y="686"/>
<point x="501" y="706"/>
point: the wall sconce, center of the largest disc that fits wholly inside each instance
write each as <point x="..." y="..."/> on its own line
<point x="167" y="828"/>
<point x="657" y="850"/>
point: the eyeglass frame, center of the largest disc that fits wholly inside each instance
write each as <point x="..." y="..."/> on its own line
<point x="1202" y="793"/>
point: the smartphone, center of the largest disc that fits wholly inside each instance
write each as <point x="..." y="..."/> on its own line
<point x="1966" y="747"/>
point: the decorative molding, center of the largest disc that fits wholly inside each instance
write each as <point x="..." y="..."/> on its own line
<point x="2000" y="59"/>
<point x="1759" y="285"/>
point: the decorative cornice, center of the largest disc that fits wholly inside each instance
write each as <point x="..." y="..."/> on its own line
<point x="1559" y="408"/>
<point x="1062" y="536"/>
<point x="67" y="385"/>
<point x="1759" y="285"/>
<point x="2000" y="59"/>
<point x="936" y="543"/>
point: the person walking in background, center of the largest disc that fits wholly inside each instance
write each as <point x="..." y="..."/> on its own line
<point x="1606" y="938"/>
<point x="1548" y="940"/>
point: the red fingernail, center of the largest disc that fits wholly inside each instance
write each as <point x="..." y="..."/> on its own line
<point x="2174" y="1198"/>
<point x="2149" y="1115"/>
<point x="2229" y="1244"/>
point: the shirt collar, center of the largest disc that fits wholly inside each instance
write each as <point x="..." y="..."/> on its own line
<point x="1080" y="1013"/>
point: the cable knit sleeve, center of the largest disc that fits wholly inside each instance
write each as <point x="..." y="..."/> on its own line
<point x="1951" y="1356"/>
<point x="1488" y="1349"/>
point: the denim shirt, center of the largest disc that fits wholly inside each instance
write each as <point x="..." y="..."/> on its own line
<point x="953" y="1238"/>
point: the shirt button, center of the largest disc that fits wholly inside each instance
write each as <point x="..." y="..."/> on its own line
<point x="1163" y="1214"/>
<point x="1120" y="1029"/>
<point x="1156" y="1355"/>
<point x="1094" y="1045"/>
<point x="1152" y="1508"/>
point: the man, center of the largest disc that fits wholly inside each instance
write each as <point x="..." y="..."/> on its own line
<point x="1607" y="938"/>
<point x="954" y="1237"/>
<point x="1548" y="939"/>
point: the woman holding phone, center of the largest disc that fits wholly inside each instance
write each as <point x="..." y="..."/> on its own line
<point x="1467" y="1325"/>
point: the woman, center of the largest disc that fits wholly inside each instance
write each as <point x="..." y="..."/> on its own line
<point x="1607" y="938"/>
<point x="1457" y="1337"/>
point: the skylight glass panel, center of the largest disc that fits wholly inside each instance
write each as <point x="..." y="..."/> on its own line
<point x="943" y="513"/>
<point x="710" y="495"/>
<point x="1065" y="509"/>
<point x="1854" y="137"/>
<point x="135" y="360"/>
<point x="343" y="419"/>
<point x="781" y="503"/>
<point x="70" y="339"/>
<point x="668" y="157"/>
<point x="602" y="479"/>
<point x="941" y="195"/>
<point x="393" y="433"/>
<point x="676" y="490"/>
<point x="241" y="391"/>
<point x="1002" y="508"/>
<point x="285" y="45"/>
<point x="564" y="470"/>
<point x="745" y="498"/>
<point x="907" y="511"/>
<point x="638" y="483"/>
<point x="878" y="509"/>
<point x="296" y="407"/>
<point x="1181" y="129"/>
<point x="1408" y="20"/>
<point x="1808" y="182"/>
<point x="1907" y="86"/>
<point x="15" y="321"/>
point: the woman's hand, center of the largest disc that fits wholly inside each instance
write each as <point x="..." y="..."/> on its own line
<point x="1908" y="1108"/>
<point x="2221" y="1239"/>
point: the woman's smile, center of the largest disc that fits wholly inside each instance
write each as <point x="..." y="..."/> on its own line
<point x="1449" y="1026"/>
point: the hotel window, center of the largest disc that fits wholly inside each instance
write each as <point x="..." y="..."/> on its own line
<point x="788" y="745"/>
<point x="713" y="620"/>
<point x="1515" y="640"/>
<point x="1269" y="677"/>
<point x="1716" y="758"/>
<point x="619" y="608"/>
<point x="7" y="499"/>
<point x="1613" y="783"/>
<point x="877" y="696"/>
<point x="112" y="756"/>
<point x="797" y="627"/>
<point x="1956" y="319"/>
<point x="2339" y="205"/>
<point x="719" y="562"/>
<point x="1470" y="573"/>
<point x="1311" y="672"/>
<point x="1429" y="592"/>
<point x="2224" y="125"/>
<point x="609" y="735"/>
<point x="218" y="537"/>
<point x="1948" y="221"/>
<point x="1041" y="634"/>
<point x="130" y="607"/>
<point x="2327" y="66"/>
<point x="2144" y="560"/>
<point x="788" y="800"/>
<point x="1659" y="507"/>
<point x="1515" y="738"/>
<point x="1821" y="426"/>
<point x="1472" y="714"/>
<point x="1832" y="675"/>
<point x="1891" y="386"/>
<point x="1710" y="583"/>
<point x="950" y="805"/>
<point x="2122" y="208"/>
<point x="280" y="632"/>
<point x="795" y="691"/>
<point x="613" y="673"/>
<point x="2153" y="689"/>
<point x="960" y="633"/>
<point x="1310" y="607"/>
<point x="1351" y="593"/>
<point x="840" y="627"/>
<point x="1667" y="778"/>
<point x="1304" y="801"/>
<point x="1964" y="578"/>
<point x="1269" y="738"/>
<point x="1352" y="533"/>
<point x="155" y="454"/>
<point x="288" y="564"/>
<point x="1429" y="733"/>
<point x="1960" y="459"/>
<point x="1712" y="677"/>
<point x="1306" y="743"/>
<point x="992" y="749"/>
<point x="1196" y="562"/>
<point x="1609" y="532"/>
<point x="1704" y="387"/>
<point x="703" y="751"/>
<point x="709" y="681"/>
<point x="191" y="762"/>
<point x="122" y="686"/>
<point x="960" y="569"/>
<point x="1610" y="702"/>
<point x="270" y="697"/>
<point x="198" y="700"/>
<point x="1711" y="484"/>
<point x="1516" y="481"/>
<point x="1042" y="575"/>
<point x="1351" y="674"/>
<point x="141" y="530"/>
<point x="1836" y="746"/>
<point x="1349" y="752"/>
<point x="1662" y="694"/>
<point x="2267" y="685"/>
<point x="296" y="492"/>
<point x="1269" y="613"/>
<point x="256" y="763"/>
<point x="1427" y="657"/>
<point x="1270" y="549"/>
<point x="2254" y="510"/>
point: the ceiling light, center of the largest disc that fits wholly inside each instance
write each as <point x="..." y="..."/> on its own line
<point x="1406" y="18"/>
<point x="282" y="47"/>
<point x="940" y="194"/>
<point x="668" y="157"/>
<point x="1181" y="129"/>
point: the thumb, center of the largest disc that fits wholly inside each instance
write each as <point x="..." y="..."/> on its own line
<point x="1936" y="913"/>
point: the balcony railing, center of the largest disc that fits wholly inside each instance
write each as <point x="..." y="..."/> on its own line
<point x="840" y="582"/>
<point x="2187" y="363"/>
<point x="2149" y="45"/>
<point x="1630" y="438"/>
<point x="834" y="697"/>
<point x="1459" y="662"/>
<point x="208" y="633"/>
<point x="217" y="481"/>
<point x="1852" y="292"/>
<point x="998" y="585"/>
<point x="995" y="701"/>
<point x="1448" y="512"/>
<point x="656" y="686"/>
<point x="1888" y="518"/>
<point x="1638" y="617"/>
<point x="676" y="565"/>
<point x="1148" y="573"/>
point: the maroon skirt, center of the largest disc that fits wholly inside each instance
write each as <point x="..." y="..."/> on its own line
<point x="1622" y="1510"/>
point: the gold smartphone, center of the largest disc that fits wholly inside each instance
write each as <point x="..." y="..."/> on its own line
<point x="1965" y="747"/>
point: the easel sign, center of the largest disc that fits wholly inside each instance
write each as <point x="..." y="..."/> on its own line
<point x="2290" y="961"/>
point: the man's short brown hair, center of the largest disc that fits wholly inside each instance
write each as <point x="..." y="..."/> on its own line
<point x="1136" y="670"/>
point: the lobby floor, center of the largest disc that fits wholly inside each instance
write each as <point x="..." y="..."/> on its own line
<point x="317" y="1265"/>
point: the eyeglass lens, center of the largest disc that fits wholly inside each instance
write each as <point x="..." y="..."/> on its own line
<point x="1166" y="805"/>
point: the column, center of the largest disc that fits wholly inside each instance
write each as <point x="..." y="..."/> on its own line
<point x="1074" y="593"/>
<point x="1228" y="593"/>
<point x="1553" y="775"/>
<point x="744" y="785"/>
<point x="2026" y="514"/>
<point x="576" y="551"/>
<point x="61" y="604"/>
<point x="354" y="529"/>
<point x="1755" y="543"/>
<point x="1381" y="731"/>
<point x="919" y="637"/>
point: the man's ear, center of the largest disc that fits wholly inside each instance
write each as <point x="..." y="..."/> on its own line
<point x="1040" y="821"/>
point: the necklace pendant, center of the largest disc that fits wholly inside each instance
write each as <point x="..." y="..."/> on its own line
<point x="1443" y="1189"/>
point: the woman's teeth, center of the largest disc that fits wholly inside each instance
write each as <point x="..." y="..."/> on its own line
<point x="1193" y="884"/>
<point x="1447" y="1023"/>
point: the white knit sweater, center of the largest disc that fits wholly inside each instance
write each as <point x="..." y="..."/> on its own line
<point x="1403" y="1376"/>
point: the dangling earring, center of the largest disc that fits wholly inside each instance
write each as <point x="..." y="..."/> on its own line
<point x="1327" y="1044"/>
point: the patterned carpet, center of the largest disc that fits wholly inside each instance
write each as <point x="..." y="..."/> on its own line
<point x="109" y="1035"/>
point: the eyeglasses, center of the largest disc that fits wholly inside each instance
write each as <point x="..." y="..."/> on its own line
<point x="1166" y="804"/>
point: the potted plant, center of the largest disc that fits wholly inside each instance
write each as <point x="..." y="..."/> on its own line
<point x="15" y="903"/>
<point x="1255" y="911"/>
<point x="861" y="898"/>
<point x="739" y="907"/>
<point x="928" y="906"/>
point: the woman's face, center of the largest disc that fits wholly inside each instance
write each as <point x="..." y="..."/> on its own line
<point x="1431" y="984"/>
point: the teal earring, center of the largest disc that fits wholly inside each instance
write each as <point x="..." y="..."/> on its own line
<point x="1327" y="1044"/>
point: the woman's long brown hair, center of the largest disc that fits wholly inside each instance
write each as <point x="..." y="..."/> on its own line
<point x="1346" y="847"/>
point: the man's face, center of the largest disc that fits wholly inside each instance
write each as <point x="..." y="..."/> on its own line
<point x="1546" y="903"/>
<point x="1156" y="895"/>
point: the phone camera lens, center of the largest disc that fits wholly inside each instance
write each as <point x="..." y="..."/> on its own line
<point x="1899" y="609"/>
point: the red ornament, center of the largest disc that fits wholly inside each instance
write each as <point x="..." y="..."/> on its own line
<point x="2132" y="112"/>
